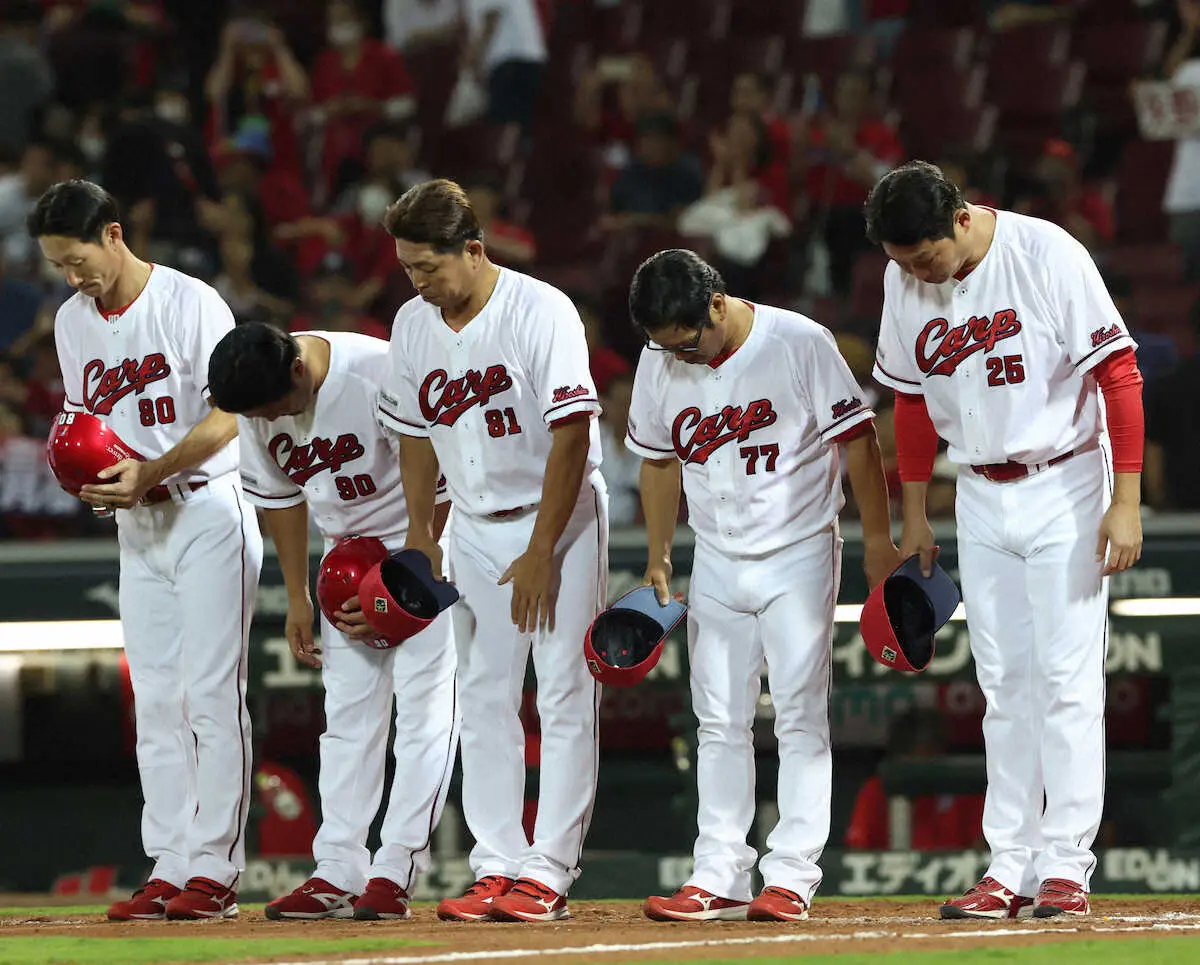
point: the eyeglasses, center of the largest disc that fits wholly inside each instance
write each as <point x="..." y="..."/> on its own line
<point x="692" y="346"/>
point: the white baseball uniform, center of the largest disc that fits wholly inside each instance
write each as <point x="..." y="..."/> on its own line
<point x="761" y="471"/>
<point x="1001" y="358"/>
<point x="189" y="569"/>
<point x="345" y="464"/>
<point x="486" y="398"/>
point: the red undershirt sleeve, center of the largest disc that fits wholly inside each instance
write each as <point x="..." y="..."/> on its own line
<point x="1120" y="382"/>
<point x="916" y="439"/>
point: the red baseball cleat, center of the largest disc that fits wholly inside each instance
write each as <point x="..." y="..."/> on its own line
<point x="988" y="899"/>
<point x="690" y="903"/>
<point x="203" y="898"/>
<point x="148" y="903"/>
<point x="316" y="898"/>
<point x="777" y="904"/>
<point x="530" y="900"/>
<point x="384" y="900"/>
<point x="1059" y="896"/>
<point x="476" y="902"/>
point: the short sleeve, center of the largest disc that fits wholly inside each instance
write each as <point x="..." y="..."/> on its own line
<point x="836" y="398"/>
<point x="399" y="403"/>
<point x="213" y="322"/>
<point x="72" y="371"/>
<point x="895" y="363"/>
<point x="1090" y="326"/>
<point x="264" y="483"/>
<point x="559" y="366"/>
<point x="648" y="434"/>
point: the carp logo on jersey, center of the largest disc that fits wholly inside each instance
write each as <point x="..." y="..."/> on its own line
<point x="301" y="463"/>
<point x="696" y="436"/>
<point x="104" y="387"/>
<point x="444" y="400"/>
<point x="941" y="349"/>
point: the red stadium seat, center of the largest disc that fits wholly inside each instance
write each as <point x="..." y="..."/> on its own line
<point x="930" y="129"/>
<point x="764" y="18"/>
<point x="1032" y="100"/>
<point x="939" y="13"/>
<point x="1120" y="52"/>
<point x="825" y="58"/>
<point x="1165" y="308"/>
<point x="921" y="48"/>
<point x="1141" y="183"/>
<point x="1029" y="46"/>
<point x="1146" y="264"/>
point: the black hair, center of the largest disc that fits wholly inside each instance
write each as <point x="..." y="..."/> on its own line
<point x="73" y="209"/>
<point x="673" y="288"/>
<point x="912" y="204"/>
<point x="251" y="367"/>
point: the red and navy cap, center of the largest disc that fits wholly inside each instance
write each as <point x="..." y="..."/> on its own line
<point x="400" y="596"/>
<point x="903" y="613"/>
<point x="625" y="641"/>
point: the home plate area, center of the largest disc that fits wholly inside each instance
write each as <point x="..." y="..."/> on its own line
<point x="615" y="932"/>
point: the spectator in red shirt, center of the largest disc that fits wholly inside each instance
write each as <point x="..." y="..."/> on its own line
<point x="845" y="151"/>
<point x="256" y="74"/>
<point x="1058" y="194"/>
<point x="606" y="363"/>
<point x="357" y="81"/>
<point x="612" y="98"/>
<point x="507" y="240"/>
<point x="273" y="192"/>
<point x="940" y="822"/>
<point x="750" y="95"/>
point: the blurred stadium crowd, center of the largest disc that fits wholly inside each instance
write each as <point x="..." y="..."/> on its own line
<point x="256" y="144"/>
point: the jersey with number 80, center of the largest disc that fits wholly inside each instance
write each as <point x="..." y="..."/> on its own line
<point x="145" y="371"/>
<point x="756" y="435"/>
<point x="337" y="456"/>
<point x="1000" y="356"/>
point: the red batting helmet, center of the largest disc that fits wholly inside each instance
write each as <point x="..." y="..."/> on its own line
<point x="343" y="570"/>
<point x="80" y="445"/>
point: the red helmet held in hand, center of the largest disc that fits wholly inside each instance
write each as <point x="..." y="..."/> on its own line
<point x="80" y="446"/>
<point x="342" y="570"/>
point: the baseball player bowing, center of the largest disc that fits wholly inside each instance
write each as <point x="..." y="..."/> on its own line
<point x="312" y="441"/>
<point x="133" y="344"/>
<point x="491" y="382"/>
<point x="754" y="410"/>
<point x="998" y="336"/>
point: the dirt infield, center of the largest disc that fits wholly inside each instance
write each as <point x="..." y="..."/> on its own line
<point x="616" y="932"/>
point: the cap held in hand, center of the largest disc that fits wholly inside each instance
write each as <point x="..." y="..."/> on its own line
<point x="400" y="596"/>
<point x="624" y="642"/>
<point x="903" y="613"/>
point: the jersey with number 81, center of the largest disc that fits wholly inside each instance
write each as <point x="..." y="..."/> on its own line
<point x="1000" y="356"/>
<point x="337" y="456"/>
<point x="756" y="435"/>
<point x="486" y="396"/>
<point x="144" y="371"/>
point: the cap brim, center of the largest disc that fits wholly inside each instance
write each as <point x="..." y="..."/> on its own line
<point x="941" y="590"/>
<point x="419" y="565"/>
<point x="644" y="600"/>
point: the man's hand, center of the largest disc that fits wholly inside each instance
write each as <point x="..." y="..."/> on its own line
<point x="1120" y="538"/>
<point x="880" y="557"/>
<point x="430" y="549"/>
<point x="131" y="480"/>
<point x="531" y="574"/>
<point x="353" y="622"/>
<point x="917" y="537"/>
<point x="299" y="631"/>
<point x="658" y="575"/>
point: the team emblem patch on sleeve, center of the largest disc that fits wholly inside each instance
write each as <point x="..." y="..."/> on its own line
<point x="1102" y="335"/>
<point x="381" y="605"/>
<point x="564" y="393"/>
<point x="846" y="406"/>
<point x="889" y="655"/>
